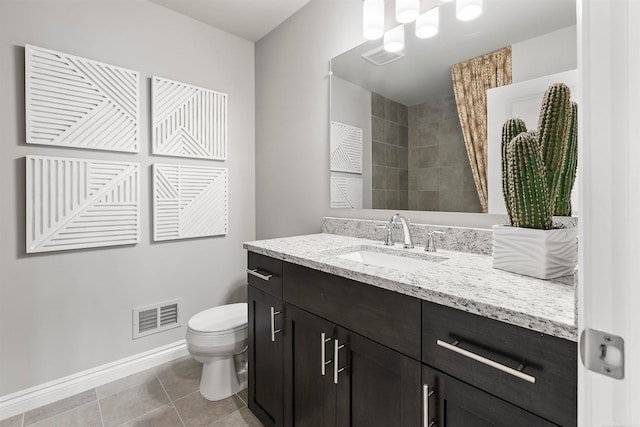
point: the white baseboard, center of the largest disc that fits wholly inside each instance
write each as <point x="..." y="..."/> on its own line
<point x="43" y="394"/>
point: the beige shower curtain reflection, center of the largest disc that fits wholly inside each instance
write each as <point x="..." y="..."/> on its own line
<point x="471" y="79"/>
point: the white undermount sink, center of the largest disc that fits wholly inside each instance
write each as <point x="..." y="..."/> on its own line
<point x="386" y="260"/>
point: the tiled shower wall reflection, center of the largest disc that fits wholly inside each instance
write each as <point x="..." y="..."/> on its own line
<point x="390" y="148"/>
<point x="440" y="177"/>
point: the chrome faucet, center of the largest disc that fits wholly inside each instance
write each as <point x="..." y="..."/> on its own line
<point x="408" y="241"/>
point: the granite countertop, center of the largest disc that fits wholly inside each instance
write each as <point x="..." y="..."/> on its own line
<point x="464" y="281"/>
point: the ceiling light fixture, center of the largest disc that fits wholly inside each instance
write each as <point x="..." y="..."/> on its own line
<point x="394" y="39"/>
<point x="373" y="19"/>
<point x="407" y="10"/>
<point x="467" y="10"/>
<point x="427" y="23"/>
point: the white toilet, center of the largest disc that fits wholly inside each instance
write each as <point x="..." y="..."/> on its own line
<point x="217" y="337"/>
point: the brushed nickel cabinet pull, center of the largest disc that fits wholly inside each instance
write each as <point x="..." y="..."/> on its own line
<point x="323" y="342"/>
<point x="515" y="372"/>
<point x="426" y="394"/>
<point x="255" y="273"/>
<point x="336" y="370"/>
<point x="274" y="313"/>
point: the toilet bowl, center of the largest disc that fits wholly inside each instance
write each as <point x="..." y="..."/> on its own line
<point x="217" y="337"/>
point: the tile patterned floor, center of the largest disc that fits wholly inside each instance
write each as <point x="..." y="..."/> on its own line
<point x="165" y="396"/>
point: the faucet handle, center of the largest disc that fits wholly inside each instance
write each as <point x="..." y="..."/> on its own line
<point x="388" y="239"/>
<point x="431" y="246"/>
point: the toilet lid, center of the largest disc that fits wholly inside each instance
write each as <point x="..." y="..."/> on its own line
<point x="219" y="319"/>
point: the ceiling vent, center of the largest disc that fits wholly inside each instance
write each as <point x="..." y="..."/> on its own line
<point x="379" y="56"/>
<point x="155" y="318"/>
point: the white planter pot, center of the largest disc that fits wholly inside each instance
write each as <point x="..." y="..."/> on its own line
<point x="545" y="254"/>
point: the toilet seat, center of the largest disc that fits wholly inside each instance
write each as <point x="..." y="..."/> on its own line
<point x="221" y="320"/>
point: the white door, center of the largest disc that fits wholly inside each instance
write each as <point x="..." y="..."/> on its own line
<point x="609" y="120"/>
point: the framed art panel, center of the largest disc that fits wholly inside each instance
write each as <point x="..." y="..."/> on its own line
<point x="189" y="201"/>
<point x="346" y="192"/>
<point x="75" y="102"/>
<point x="346" y="148"/>
<point x="188" y="121"/>
<point x="80" y="203"/>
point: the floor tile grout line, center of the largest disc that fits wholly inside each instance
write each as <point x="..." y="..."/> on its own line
<point x="162" y="385"/>
<point x="168" y="397"/>
<point x="99" y="407"/>
<point x="59" y="413"/>
<point x="240" y="397"/>
<point x="178" y="413"/>
<point x="225" y="417"/>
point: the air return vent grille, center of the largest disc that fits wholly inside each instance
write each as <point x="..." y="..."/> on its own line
<point x="379" y="56"/>
<point x="155" y="318"/>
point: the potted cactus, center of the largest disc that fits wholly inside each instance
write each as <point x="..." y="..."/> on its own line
<point x="538" y="173"/>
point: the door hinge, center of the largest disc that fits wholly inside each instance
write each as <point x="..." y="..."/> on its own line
<point x="602" y="352"/>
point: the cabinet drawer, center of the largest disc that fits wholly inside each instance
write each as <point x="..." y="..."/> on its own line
<point x="265" y="273"/>
<point x="483" y="347"/>
<point x="390" y="318"/>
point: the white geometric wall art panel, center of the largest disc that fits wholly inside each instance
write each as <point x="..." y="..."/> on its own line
<point x="80" y="203"/>
<point x="346" y="148"/>
<point x="189" y="201"/>
<point x="76" y="102"/>
<point x="188" y="121"/>
<point x="346" y="192"/>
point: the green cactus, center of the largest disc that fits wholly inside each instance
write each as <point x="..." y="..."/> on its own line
<point x="553" y="134"/>
<point x="527" y="184"/>
<point x="511" y="129"/>
<point x="547" y="156"/>
<point x="569" y="166"/>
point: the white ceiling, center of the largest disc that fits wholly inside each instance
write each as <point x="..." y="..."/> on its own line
<point x="249" y="19"/>
<point x="425" y="70"/>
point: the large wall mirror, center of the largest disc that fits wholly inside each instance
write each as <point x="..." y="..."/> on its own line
<point x="396" y="137"/>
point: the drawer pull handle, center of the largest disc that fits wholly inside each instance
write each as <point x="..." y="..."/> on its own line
<point x="336" y="347"/>
<point x="274" y="313"/>
<point x="426" y="394"/>
<point x="255" y="273"/>
<point x="515" y="372"/>
<point x="323" y="343"/>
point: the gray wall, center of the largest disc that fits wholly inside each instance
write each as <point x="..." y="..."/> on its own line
<point x="549" y="53"/>
<point x="64" y="312"/>
<point x="292" y="115"/>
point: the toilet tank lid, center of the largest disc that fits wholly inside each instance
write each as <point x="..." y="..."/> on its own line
<point x="222" y="318"/>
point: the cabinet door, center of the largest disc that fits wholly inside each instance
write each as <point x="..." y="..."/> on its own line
<point x="310" y="394"/>
<point x="265" y="357"/>
<point x="376" y="385"/>
<point x="448" y="402"/>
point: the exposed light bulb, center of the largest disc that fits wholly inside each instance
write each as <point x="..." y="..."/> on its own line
<point x="394" y="39"/>
<point x="467" y="10"/>
<point x="407" y="10"/>
<point x="372" y="19"/>
<point x="427" y="23"/>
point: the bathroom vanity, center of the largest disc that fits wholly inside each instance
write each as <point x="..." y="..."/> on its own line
<point x="336" y="341"/>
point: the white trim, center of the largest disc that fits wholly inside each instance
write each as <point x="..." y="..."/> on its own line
<point x="609" y="108"/>
<point x="43" y="394"/>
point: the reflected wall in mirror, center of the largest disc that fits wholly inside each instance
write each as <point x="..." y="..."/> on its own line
<point x="412" y="151"/>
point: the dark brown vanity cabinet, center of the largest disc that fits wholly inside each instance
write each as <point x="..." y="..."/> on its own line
<point x="510" y="372"/>
<point x="329" y="351"/>
<point x="335" y="377"/>
<point x="449" y="402"/>
<point x="266" y="341"/>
